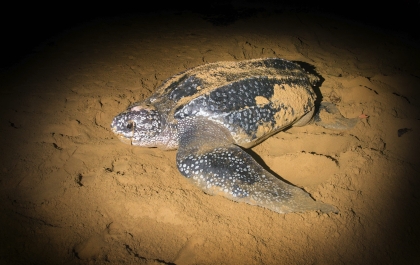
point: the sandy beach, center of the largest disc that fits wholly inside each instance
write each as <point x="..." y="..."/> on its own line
<point x="72" y="193"/>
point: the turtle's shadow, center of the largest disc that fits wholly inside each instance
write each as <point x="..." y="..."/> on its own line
<point x="264" y="165"/>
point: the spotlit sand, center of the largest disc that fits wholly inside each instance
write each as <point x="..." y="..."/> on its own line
<point x="72" y="193"/>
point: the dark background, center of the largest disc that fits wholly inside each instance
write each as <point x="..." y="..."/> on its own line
<point x="27" y="28"/>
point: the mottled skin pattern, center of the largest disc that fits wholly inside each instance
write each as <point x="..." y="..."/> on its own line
<point x="209" y="111"/>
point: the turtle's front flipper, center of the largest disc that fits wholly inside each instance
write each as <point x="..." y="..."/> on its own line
<point x="209" y="159"/>
<point x="328" y="116"/>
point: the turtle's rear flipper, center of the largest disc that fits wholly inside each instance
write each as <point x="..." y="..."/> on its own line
<point x="207" y="157"/>
<point x="328" y="116"/>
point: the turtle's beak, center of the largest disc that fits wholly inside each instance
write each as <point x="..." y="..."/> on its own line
<point x="123" y="138"/>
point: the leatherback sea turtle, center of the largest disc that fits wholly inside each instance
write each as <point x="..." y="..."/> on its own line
<point x="209" y="112"/>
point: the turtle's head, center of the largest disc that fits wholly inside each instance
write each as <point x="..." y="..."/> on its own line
<point x="138" y="125"/>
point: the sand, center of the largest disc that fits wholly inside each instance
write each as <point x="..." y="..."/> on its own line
<point x="72" y="193"/>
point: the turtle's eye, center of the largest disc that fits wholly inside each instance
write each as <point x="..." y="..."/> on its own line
<point x="130" y="125"/>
